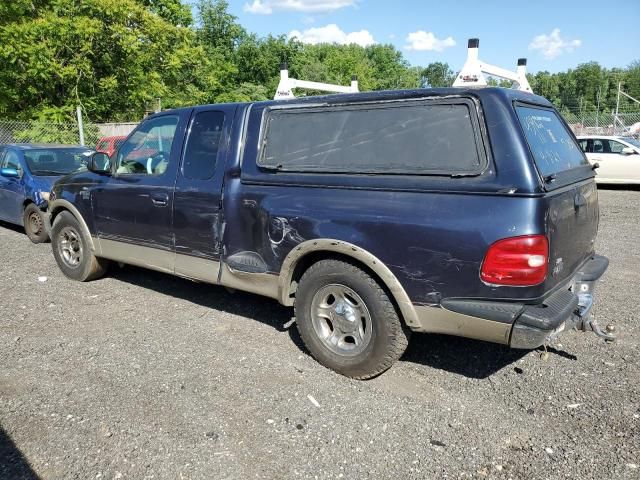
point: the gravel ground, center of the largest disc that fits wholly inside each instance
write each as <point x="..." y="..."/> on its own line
<point x="142" y="375"/>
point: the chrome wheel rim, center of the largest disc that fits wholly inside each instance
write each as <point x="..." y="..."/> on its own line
<point x="70" y="246"/>
<point x="35" y="223"/>
<point x="341" y="320"/>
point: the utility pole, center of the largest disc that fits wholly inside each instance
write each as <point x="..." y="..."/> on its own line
<point x="598" y="106"/>
<point x="80" y="125"/>
<point x="615" y="120"/>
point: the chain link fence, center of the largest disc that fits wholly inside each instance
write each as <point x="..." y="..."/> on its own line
<point x="599" y="123"/>
<point x="14" y="131"/>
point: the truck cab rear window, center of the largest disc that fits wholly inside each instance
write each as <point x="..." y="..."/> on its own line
<point x="554" y="149"/>
<point x="393" y="138"/>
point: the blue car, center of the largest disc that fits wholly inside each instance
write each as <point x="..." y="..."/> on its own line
<point x="27" y="172"/>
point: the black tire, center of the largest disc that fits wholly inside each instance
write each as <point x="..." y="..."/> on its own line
<point x="388" y="336"/>
<point x="72" y="250"/>
<point x="34" y="224"/>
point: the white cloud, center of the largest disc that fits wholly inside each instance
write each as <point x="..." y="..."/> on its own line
<point x="422" y="41"/>
<point x="267" y="7"/>
<point x="333" y="34"/>
<point x="553" y="45"/>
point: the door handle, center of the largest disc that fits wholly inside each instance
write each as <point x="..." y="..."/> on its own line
<point x="160" y="199"/>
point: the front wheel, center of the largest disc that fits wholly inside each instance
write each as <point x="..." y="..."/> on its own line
<point x="347" y="320"/>
<point x="34" y="225"/>
<point x="72" y="250"/>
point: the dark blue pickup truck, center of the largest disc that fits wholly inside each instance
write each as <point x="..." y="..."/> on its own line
<point x="469" y="212"/>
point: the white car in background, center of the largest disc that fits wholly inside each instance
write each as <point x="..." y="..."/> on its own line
<point x="618" y="157"/>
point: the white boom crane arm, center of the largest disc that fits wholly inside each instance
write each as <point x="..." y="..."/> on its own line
<point x="472" y="73"/>
<point x="287" y="84"/>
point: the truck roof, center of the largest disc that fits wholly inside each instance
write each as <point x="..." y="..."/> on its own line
<point x="506" y="94"/>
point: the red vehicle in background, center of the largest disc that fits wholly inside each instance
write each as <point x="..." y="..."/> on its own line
<point x="109" y="145"/>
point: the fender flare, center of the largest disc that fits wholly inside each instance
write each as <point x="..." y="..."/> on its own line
<point x="61" y="204"/>
<point x="398" y="292"/>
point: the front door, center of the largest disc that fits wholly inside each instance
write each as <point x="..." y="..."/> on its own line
<point x="197" y="214"/>
<point x="133" y="208"/>
<point x="12" y="189"/>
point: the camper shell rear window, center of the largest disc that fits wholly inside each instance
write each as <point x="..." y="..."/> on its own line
<point x="394" y="137"/>
<point x="552" y="145"/>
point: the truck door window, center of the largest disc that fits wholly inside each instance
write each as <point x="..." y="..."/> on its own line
<point x="148" y="150"/>
<point x="202" y="145"/>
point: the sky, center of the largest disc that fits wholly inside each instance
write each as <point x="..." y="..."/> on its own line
<point x="552" y="35"/>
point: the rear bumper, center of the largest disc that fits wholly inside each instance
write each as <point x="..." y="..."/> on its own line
<point x="517" y="324"/>
<point x="563" y="310"/>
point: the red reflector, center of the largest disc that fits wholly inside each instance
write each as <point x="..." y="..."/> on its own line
<point x="518" y="261"/>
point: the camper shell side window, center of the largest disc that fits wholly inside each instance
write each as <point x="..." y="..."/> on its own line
<point x="404" y="137"/>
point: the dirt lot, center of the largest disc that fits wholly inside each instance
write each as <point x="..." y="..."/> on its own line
<point x="142" y="375"/>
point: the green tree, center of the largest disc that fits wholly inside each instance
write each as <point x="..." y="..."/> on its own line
<point x="437" y="74"/>
<point x="173" y="11"/>
<point x="112" y="57"/>
<point x="218" y="29"/>
<point x="390" y="70"/>
<point x="258" y="59"/>
<point x="631" y="79"/>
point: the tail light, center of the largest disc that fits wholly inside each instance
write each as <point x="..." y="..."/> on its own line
<point x="516" y="261"/>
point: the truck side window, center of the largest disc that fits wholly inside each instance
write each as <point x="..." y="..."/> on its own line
<point x="148" y="150"/>
<point x="202" y="145"/>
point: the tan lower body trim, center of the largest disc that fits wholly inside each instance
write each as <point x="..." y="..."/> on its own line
<point x="147" y="257"/>
<point x="195" y="268"/>
<point x="261" y="283"/>
<point x="429" y="319"/>
<point x="441" y="320"/>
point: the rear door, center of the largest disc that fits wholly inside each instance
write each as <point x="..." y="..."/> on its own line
<point x="197" y="214"/>
<point x="571" y="201"/>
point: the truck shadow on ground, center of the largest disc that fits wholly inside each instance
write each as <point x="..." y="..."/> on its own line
<point x="469" y="358"/>
<point x="12" y="463"/>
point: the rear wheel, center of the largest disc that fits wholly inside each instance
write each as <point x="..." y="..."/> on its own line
<point x="347" y="320"/>
<point x="34" y="225"/>
<point x="72" y="250"/>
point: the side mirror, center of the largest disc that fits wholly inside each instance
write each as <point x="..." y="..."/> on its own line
<point x="628" y="151"/>
<point x="10" y="173"/>
<point x="99" y="162"/>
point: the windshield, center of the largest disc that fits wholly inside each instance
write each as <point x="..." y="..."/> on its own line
<point x="554" y="149"/>
<point x="632" y="141"/>
<point x="56" y="161"/>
